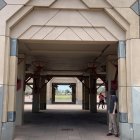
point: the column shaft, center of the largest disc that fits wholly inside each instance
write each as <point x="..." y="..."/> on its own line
<point x="36" y="94"/>
<point x="86" y="94"/>
<point x="43" y="94"/>
<point x="93" y="92"/>
<point x="9" y="126"/>
<point x="73" y="93"/>
<point x="123" y="115"/>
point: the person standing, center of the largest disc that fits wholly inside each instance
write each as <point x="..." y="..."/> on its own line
<point x="112" y="110"/>
<point x="101" y="100"/>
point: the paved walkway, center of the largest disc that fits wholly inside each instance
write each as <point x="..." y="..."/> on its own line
<point x="63" y="124"/>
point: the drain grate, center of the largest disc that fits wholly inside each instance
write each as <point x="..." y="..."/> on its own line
<point x="67" y="129"/>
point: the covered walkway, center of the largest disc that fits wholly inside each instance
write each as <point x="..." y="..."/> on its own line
<point x="63" y="124"/>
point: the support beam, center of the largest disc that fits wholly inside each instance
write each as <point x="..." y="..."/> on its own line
<point x="86" y="91"/>
<point x="36" y="93"/>
<point x="73" y="93"/>
<point x="93" y="91"/>
<point x="43" y="94"/>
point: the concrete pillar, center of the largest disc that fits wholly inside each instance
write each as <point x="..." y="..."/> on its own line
<point x="9" y="119"/>
<point x="73" y="93"/>
<point x="123" y="113"/>
<point x="79" y="89"/>
<point x="93" y="92"/>
<point x="4" y="84"/>
<point x="49" y="91"/>
<point x="12" y="89"/>
<point x="20" y="90"/>
<point x="53" y="92"/>
<point x="130" y="120"/>
<point x="36" y="93"/>
<point x="86" y="94"/>
<point x="43" y="94"/>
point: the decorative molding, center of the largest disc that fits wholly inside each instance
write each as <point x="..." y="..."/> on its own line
<point x="122" y="49"/>
<point x="69" y="4"/>
<point x="46" y="3"/>
<point x="13" y="47"/>
<point x="11" y="117"/>
<point x="2" y="4"/>
<point x="123" y="117"/>
<point x="68" y="33"/>
<point x="97" y="3"/>
<point x="136" y="7"/>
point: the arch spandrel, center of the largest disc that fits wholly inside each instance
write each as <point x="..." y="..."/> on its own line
<point x="104" y="4"/>
<point x="97" y="21"/>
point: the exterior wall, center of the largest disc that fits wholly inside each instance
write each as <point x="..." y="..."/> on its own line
<point x="65" y="80"/>
<point x="123" y="16"/>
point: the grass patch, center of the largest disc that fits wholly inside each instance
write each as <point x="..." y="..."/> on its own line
<point x="63" y="96"/>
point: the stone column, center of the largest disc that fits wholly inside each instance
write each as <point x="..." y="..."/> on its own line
<point x="53" y="92"/>
<point x="79" y="90"/>
<point x="123" y="115"/>
<point x="49" y="92"/>
<point x="86" y="94"/>
<point x="9" y="126"/>
<point x="43" y="94"/>
<point x="93" y="91"/>
<point x="130" y="120"/>
<point x="36" y="93"/>
<point x="20" y="89"/>
<point x="73" y="93"/>
<point x="4" y="82"/>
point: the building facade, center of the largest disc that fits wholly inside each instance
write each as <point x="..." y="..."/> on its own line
<point x="76" y="38"/>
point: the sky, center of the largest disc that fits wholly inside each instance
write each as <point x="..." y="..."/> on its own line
<point x="64" y="87"/>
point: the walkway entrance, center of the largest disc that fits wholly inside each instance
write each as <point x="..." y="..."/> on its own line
<point x="63" y="40"/>
<point x="63" y="124"/>
<point x="63" y="93"/>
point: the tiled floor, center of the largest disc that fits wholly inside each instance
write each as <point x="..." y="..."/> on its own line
<point x="54" y="124"/>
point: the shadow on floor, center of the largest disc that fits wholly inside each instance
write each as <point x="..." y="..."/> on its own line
<point x="63" y="125"/>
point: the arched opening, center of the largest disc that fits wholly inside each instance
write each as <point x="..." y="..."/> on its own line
<point x="85" y="48"/>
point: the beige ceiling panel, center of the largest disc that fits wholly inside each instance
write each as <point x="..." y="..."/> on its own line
<point x="41" y="2"/>
<point x="68" y="34"/>
<point x="82" y="33"/>
<point x="121" y="3"/>
<point x="107" y="35"/>
<point x="30" y="32"/>
<point x="67" y="18"/>
<point x="97" y="3"/>
<point x="101" y="19"/>
<point x="36" y="17"/>
<point x="69" y="4"/>
<point x="55" y="33"/>
<point x="42" y="33"/>
<point x="94" y="34"/>
<point x="42" y="16"/>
